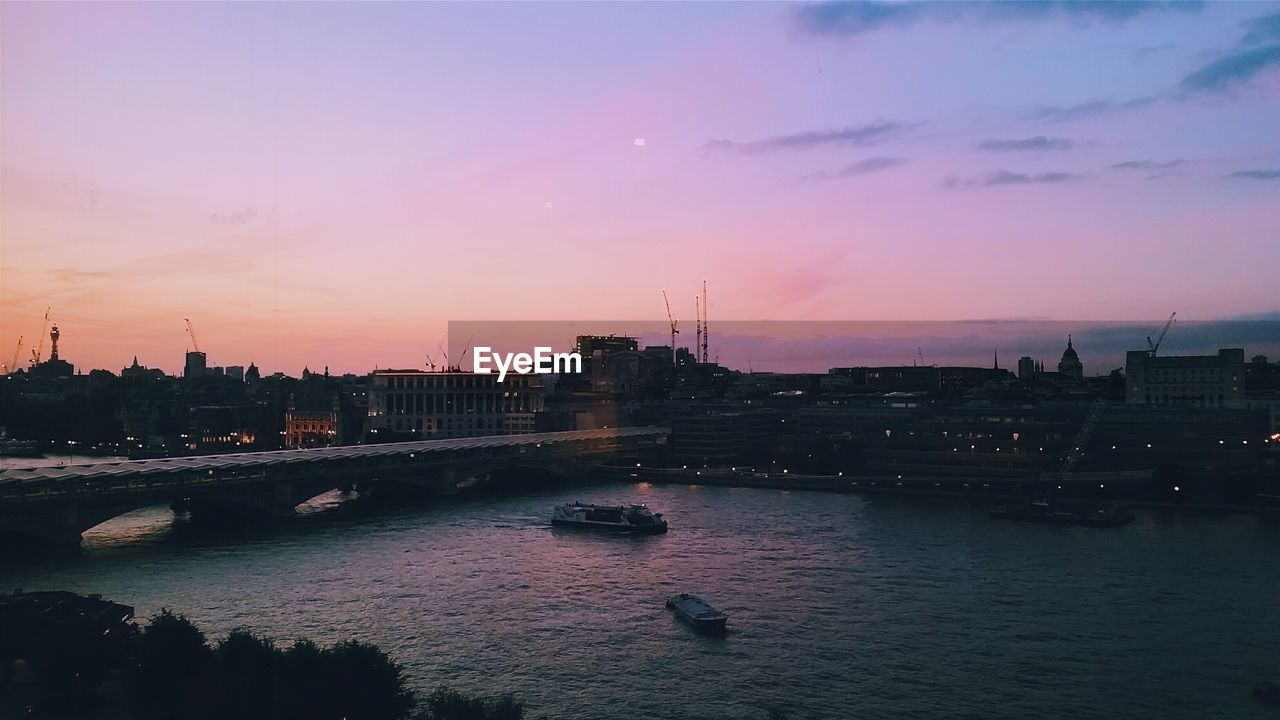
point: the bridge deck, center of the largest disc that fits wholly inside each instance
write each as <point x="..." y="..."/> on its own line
<point x="86" y="472"/>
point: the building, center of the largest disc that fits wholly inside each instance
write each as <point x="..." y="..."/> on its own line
<point x="417" y="403"/>
<point x="312" y="428"/>
<point x="1070" y="366"/>
<point x="197" y="364"/>
<point x="718" y="439"/>
<point x="48" y="637"/>
<point x="1215" y="381"/>
<point x="54" y="367"/>
<point x="235" y="372"/>
<point x="222" y="427"/>
<point x="1027" y="368"/>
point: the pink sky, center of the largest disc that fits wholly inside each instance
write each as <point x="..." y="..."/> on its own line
<point x="330" y="184"/>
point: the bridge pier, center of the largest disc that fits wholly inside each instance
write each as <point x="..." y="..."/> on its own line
<point x="260" y="503"/>
<point x="52" y="523"/>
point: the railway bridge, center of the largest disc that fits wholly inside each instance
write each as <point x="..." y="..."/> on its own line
<point x="57" y="504"/>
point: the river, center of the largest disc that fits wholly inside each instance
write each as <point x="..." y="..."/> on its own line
<point x="841" y="605"/>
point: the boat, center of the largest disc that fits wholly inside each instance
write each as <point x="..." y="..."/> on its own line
<point x="697" y="612"/>
<point x="1044" y="511"/>
<point x="12" y="447"/>
<point x="634" y="519"/>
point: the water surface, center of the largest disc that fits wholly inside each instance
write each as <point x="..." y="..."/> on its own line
<point x="841" y="606"/>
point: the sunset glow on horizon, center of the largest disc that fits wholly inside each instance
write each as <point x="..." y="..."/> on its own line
<point x="330" y="184"/>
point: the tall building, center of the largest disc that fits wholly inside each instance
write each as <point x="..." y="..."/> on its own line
<point x="55" y="366"/>
<point x="1026" y="367"/>
<point x="196" y="366"/>
<point x="452" y="404"/>
<point x="1185" y="380"/>
<point x="1070" y="366"/>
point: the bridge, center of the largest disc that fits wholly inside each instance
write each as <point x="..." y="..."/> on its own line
<point x="57" y="504"/>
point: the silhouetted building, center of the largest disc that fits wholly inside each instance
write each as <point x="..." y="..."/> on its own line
<point x="1185" y="380"/>
<point x="1070" y="366"/>
<point x="41" y="633"/>
<point x="235" y="372"/>
<point x="1027" y="368"/>
<point x="451" y="404"/>
<point x="54" y="367"/>
<point x="221" y="427"/>
<point x="196" y="365"/>
<point x="719" y="439"/>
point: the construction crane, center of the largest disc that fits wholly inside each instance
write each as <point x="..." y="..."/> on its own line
<point x="697" y="342"/>
<point x="706" y="327"/>
<point x="1156" y="345"/>
<point x="191" y="332"/>
<point x="38" y="350"/>
<point x="458" y="366"/>
<point x="674" y="327"/>
<point x="17" y="353"/>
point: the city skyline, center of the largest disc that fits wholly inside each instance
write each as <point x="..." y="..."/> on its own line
<point x="314" y="182"/>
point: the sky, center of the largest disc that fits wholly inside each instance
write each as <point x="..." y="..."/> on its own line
<point x="329" y="184"/>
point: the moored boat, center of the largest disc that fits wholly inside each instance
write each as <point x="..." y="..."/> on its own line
<point x="697" y="612"/>
<point x="1044" y="511"/>
<point x="634" y="519"/>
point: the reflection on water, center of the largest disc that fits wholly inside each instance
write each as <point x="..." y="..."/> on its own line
<point x="840" y="606"/>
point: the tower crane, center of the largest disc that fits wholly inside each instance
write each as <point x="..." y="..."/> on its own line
<point x="1156" y="346"/>
<point x="463" y="356"/>
<point x="706" y="326"/>
<point x="192" y="333"/>
<point x="38" y="351"/>
<point x="697" y="343"/>
<point x="17" y="353"/>
<point x="674" y="327"/>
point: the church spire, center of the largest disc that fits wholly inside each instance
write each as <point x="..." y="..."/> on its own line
<point x="995" y="359"/>
<point x="1069" y="341"/>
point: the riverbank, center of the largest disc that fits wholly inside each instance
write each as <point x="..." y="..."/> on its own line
<point x="942" y="486"/>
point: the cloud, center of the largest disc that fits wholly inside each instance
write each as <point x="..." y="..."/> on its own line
<point x="1256" y="174"/>
<point x="1257" y="52"/>
<point x="858" y="17"/>
<point x="855" y="169"/>
<point x="1236" y="66"/>
<point x="851" y="135"/>
<point x="1007" y="177"/>
<point x="240" y="217"/>
<point x="1036" y="144"/>
<point x="1149" y="165"/>
<point x="1262" y="29"/>
<point x="1092" y="108"/>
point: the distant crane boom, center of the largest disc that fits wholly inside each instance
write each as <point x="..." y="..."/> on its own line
<point x="38" y="352"/>
<point x="674" y="329"/>
<point x="191" y="331"/>
<point x="17" y="353"/>
<point x="697" y="312"/>
<point x="1154" y="347"/>
<point x="465" y="350"/>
